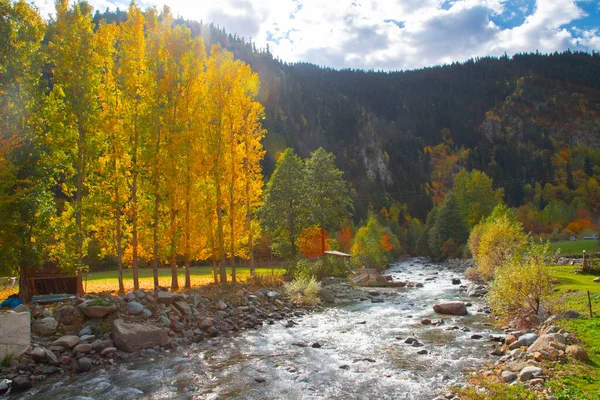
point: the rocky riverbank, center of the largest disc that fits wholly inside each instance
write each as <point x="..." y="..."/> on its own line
<point x="101" y="330"/>
<point x="527" y="358"/>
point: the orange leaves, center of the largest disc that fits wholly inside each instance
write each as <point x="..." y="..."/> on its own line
<point x="344" y="238"/>
<point x="385" y="242"/>
<point x="313" y="242"/>
<point x="579" y="225"/>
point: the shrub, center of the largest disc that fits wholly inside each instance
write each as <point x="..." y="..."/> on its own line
<point x="375" y="245"/>
<point x="304" y="291"/>
<point x="521" y="286"/>
<point x="497" y="241"/>
<point x="322" y="268"/>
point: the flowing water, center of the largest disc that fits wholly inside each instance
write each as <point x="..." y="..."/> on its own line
<point x="362" y="354"/>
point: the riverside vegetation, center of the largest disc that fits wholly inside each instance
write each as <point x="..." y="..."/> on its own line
<point x="127" y="140"/>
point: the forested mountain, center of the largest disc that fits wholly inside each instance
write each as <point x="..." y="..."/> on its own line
<point x="401" y="136"/>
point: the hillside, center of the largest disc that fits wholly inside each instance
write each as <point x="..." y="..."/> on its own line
<point x="509" y="117"/>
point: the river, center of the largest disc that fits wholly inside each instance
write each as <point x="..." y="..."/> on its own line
<point x="362" y="353"/>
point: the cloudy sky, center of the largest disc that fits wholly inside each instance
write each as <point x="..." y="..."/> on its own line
<point x="393" y="34"/>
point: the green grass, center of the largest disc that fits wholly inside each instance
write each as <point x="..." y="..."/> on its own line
<point x="571" y="289"/>
<point x="578" y="380"/>
<point x="575" y="247"/>
<point x="107" y="281"/>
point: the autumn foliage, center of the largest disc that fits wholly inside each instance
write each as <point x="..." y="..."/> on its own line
<point x="310" y="241"/>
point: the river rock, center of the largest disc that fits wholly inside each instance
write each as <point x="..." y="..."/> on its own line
<point x="87" y="338"/>
<point x="206" y="323"/>
<point x="411" y="340"/>
<point x="133" y="337"/>
<point x="85" y="331"/>
<point x="451" y="308"/>
<point x="222" y="305"/>
<point x="546" y="343"/>
<point x="67" y="341"/>
<point x="510" y="338"/>
<point x="45" y="326"/>
<point x="99" y="345"/>
<point x="82" y="348"/>
<point x="571" y="314"/>
<point x="139" y="294"/>
<point x="456" y="281"/>
<point x="164" y="320"/>
<point x="508" y="376"/>
<point x="166" y="298"/>
<point x="475" y="290"/>
<point x="50" y="357"/>
<point x="90" y="309"/>
<point x="20" y="383"/>
<point x="38" y="355"/>
<point x="21" y="308"/>
<point x="183" y="307"/>
<point x="529" y="372"/>
<point x="84" y="364"/>
<point x="528" y="339"/>
<point x="578" y="353"/>
<point x="134" y="308"/>
<point x="108" y="351"/>
<point x="327" y="296"/>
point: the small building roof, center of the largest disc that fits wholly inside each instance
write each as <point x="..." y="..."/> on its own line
<point x="338" y="253"/>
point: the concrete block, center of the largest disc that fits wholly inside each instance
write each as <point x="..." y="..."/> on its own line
<point x="15" y="334"/>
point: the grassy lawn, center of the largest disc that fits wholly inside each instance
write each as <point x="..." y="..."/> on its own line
<point x="575" y="247"/>
<point x="95" y="282"/>
<point x="580" y="380"/>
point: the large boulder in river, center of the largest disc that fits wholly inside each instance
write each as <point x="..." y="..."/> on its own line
<point x="451" y="308"/>
<point x="133" y="337"/>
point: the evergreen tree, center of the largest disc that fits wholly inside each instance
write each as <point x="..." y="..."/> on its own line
<point x="449" y="225"/>
<point x="328" y="199"/>
<point x="284" y="212"/>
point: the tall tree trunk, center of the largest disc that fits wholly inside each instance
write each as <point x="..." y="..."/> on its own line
<point x="174" y="281"/>
<point x="79" y="199"/>
<point x="250" y="245"/>
<point x="156" y="254"/>
<point x="134" y="205"/>
<point x="220" y="235"/>
<point x="119" y="238"/>
<point x="188" y="280"/>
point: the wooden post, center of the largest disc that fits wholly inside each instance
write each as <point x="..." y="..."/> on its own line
<point x="590" y="304"/>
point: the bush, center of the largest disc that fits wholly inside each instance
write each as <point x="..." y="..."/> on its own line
<point x="375" y="245"/>
<point x="497" y="241"/>
<point x="521" y="287"/>
<point x="304" y="291"/>
<point x="322" y="268"/>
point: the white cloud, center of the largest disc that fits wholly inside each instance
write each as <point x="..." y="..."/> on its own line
<point x="387" y="34"/>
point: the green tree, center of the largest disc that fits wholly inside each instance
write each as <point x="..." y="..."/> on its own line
<point x="26" y="203"/>
<point x="284" y="212"/>
<point x="475" y="195"/>
<point x="449" y="231"/>
<point x="76" y="139"/>
<point x="375" y="245"/>
<point x="327" y="193"/>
